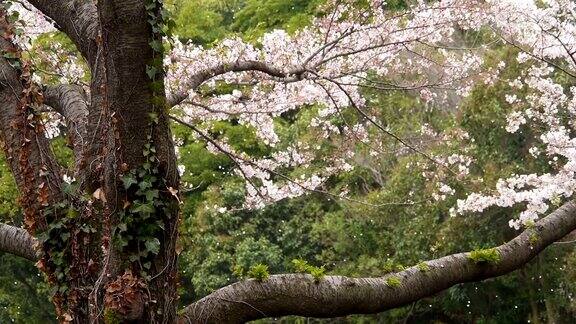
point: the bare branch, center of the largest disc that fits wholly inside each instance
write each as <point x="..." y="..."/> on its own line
<point x="239" y="66"/>
<point x="238" y="159"/>
<point x="70" y="102"/>
<point x="334" y="296"/>
<point x="17" y="241"/>
<point x="382" y="128"/>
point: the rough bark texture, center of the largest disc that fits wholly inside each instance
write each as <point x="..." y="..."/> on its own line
<point x="129" y="98"/>
<point x="17" y="241"/>
<point x="108" y="133"/>
<point x="76" y="18"/>
<point x="333" y="296"/>
<point x="27" y="149"/>
<point x="70" y="101"/>
<point x="126" y="53"/>
<point x="240" y="66"/>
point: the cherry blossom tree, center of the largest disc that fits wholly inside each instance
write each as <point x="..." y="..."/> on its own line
<point x="104" y="232"/>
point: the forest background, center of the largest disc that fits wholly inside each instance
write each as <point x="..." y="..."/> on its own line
<point x="395" y="219"/>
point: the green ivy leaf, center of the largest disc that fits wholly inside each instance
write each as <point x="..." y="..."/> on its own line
<point x="72" y="213"/>
<point x="153" y="245"/>
<point x="150" y="6"/>
<point x="145" y="185"/>
<point x="128" y="181"/>
<point x="151" y="71"/>
<point x="151" y="194"/>
<point x="65" y="236"/>
<point x="144" y="210"/>
<point x="122" y="227"/>
<point x="153" y="117"/>
<point x="156" y="45"/>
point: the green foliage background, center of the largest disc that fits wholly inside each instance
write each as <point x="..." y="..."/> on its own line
<point x="346" y="238"/>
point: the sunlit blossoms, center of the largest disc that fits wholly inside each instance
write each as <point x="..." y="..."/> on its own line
<point x="546" y="36"/>
<point x="326" y="65"/>
<point x="30" y="21"/>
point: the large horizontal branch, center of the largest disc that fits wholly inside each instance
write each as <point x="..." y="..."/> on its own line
<point x="239" y="66"/>
<point x="76" y="18"/>
<point x="334" y="296"/>
<point x="17" y="241"/>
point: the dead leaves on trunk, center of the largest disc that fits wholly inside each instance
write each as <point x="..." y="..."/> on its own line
<point x="126" y="296"/>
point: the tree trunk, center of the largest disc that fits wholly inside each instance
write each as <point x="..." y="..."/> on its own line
<point x="139" y="175"/>
<point x="110" y="256"/>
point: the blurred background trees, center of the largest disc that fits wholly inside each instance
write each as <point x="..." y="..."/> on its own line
<point x="396" y="218"/>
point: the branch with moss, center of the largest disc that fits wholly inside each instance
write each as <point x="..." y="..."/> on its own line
<point x="334" y="296"/>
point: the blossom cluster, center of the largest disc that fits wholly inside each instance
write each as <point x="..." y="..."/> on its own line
<point x="546" y="36"/>
<point x="328" y="66"/>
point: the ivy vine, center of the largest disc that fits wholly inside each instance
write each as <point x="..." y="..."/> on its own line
<point x="137" y="231"/>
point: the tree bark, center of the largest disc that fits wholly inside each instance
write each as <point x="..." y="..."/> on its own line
<point x="333" y="296"/>
<point x="102" y="280"/>
<point x="77" y="19"/>
<point x="132" y="106"/>
<point x="27" y="149"/>
<point x="240" y="66"/>
<point x="71" y="103"/>
<point x="17" y="241"/>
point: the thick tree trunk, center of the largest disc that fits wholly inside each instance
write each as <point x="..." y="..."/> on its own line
<point x="138" y="172"/>
<point x="110" y="258"/>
